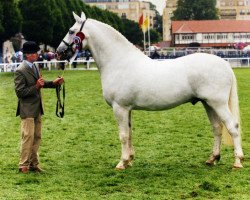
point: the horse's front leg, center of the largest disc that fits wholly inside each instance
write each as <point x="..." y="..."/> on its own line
<point x="123" y="118"/>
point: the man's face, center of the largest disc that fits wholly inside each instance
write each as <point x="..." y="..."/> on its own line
<point x="32" y="57"/>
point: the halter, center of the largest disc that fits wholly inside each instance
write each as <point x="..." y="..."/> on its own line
<point x="76" y="40"/>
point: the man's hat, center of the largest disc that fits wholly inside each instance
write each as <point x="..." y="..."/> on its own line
<point x="30" y="47"/>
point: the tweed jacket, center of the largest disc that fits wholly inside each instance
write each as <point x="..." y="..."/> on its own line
<point x="29" y="97"/>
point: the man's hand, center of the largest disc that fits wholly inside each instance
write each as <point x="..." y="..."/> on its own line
<point x="58" y="81"/>
<point x="39" y="83"/>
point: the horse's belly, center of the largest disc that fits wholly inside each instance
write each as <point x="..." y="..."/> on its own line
<point x="161" y="100"/>
<point x="157" y="94"/>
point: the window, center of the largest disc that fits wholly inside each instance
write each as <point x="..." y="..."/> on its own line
<point x="241" y="3"/>
<point x="240" y="36"/>
<point x="247" y="2"/>
<point x="124" y="16"/>
<point x="222" y="3"/>
<point x="242" y="12"/>
<point x="187" y="37"/>
<point x="221" y="36"/>
<point x="123" y="6"/>
<point x="208" y="36"/>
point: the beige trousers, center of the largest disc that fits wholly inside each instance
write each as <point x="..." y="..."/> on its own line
<point x="31" y="139"/>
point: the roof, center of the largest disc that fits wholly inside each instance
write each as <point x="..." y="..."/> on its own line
<point x="211" y="26"/>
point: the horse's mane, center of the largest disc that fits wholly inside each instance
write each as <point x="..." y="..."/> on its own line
<point x="114" y="34"/>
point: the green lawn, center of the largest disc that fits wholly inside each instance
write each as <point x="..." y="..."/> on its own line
<point x="80" y="151"/>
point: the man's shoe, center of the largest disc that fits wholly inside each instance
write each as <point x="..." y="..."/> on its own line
<point x="36" y="169"/>
<point x="24" y="170"/>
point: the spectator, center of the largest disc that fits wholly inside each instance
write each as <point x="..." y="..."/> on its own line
<point x="155" y="55"/>
<point x="40" y="59"/>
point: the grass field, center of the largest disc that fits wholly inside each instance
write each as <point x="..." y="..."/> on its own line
<point x="80" y="151"/>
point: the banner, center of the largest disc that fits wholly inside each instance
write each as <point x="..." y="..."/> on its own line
<point x="141" y="21"/>
<point x="145" y="25"/>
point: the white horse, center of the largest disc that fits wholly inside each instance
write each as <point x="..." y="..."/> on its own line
<point x="132" y="81"/>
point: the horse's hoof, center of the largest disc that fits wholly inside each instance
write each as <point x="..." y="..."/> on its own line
<point x="237" y="166"/>
<point x="237" y="163"/>
<point x="120" y="168"/>
<point x="213" y="160"/>
<point x="210" y="163"/>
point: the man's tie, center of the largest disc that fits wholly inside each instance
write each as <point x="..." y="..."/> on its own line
<point x="35" y="70"/>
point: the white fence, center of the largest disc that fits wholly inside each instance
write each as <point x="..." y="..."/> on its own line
<point x="239" y="62"/>
<point x="55" y="64"/>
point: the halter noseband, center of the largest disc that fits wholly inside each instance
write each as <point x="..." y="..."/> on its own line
<point x="70" y="45"/>
<point x="77" y="40"/>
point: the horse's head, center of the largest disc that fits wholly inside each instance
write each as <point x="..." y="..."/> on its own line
<point x="74" y="40"/>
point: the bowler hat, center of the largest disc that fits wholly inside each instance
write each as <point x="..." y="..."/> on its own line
<point x="30" y="47"/>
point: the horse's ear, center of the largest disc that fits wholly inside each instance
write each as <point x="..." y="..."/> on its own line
<point x="77" y="18"/>
<point x="83" y="16"/>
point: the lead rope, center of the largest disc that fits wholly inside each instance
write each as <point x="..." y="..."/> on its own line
<point x="59" y="103"/>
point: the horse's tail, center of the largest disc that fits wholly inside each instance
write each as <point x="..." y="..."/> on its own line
<point x="233" y="104"/>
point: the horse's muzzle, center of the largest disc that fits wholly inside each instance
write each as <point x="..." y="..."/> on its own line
<point x="65" y="54"/>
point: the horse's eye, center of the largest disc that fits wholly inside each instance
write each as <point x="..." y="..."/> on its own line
<point x="71" y="32"/>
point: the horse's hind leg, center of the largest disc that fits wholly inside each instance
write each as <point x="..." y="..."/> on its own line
<point x="217" y="130"/>
<point x="123" y="117"/>
<point x="131" y="148"/>
<point x="233" y="128"/>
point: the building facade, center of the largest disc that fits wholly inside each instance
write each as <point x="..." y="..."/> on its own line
<point x="129" y="9"/>
<point x="171" y="5"/>
<point x="210" y="33"/>
<point x="234" y="9"/>
<point x="228" y="9"/>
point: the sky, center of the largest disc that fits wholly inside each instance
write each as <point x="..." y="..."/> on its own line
<point x="160" y="4"/>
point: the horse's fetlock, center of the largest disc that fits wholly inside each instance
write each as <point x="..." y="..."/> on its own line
<point x="217" y="157"/>
<point x="240" y="156"/>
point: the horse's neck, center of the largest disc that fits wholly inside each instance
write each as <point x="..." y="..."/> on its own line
<point x="107" y="45"/>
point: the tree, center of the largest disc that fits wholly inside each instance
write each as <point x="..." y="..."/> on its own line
<point x="154" y="36"/>
<point x="47" y="21"/>
<point x="132" y="32"/>
<point x="158" y="25"/>
<point x="11" y="20"/>
<point x="38" y="19"/>
<point x="196" y="10"/>
<point x="1" y="19"/>
<point x="59" y="29"/>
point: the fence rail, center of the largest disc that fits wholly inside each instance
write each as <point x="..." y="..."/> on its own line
<point x="55" y="64"/>
<point x="52" y="65"/>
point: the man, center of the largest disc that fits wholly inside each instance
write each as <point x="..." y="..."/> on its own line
<point x="28" y="83"/>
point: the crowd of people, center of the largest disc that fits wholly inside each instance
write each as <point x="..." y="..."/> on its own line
<point x="43" y="57"/>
